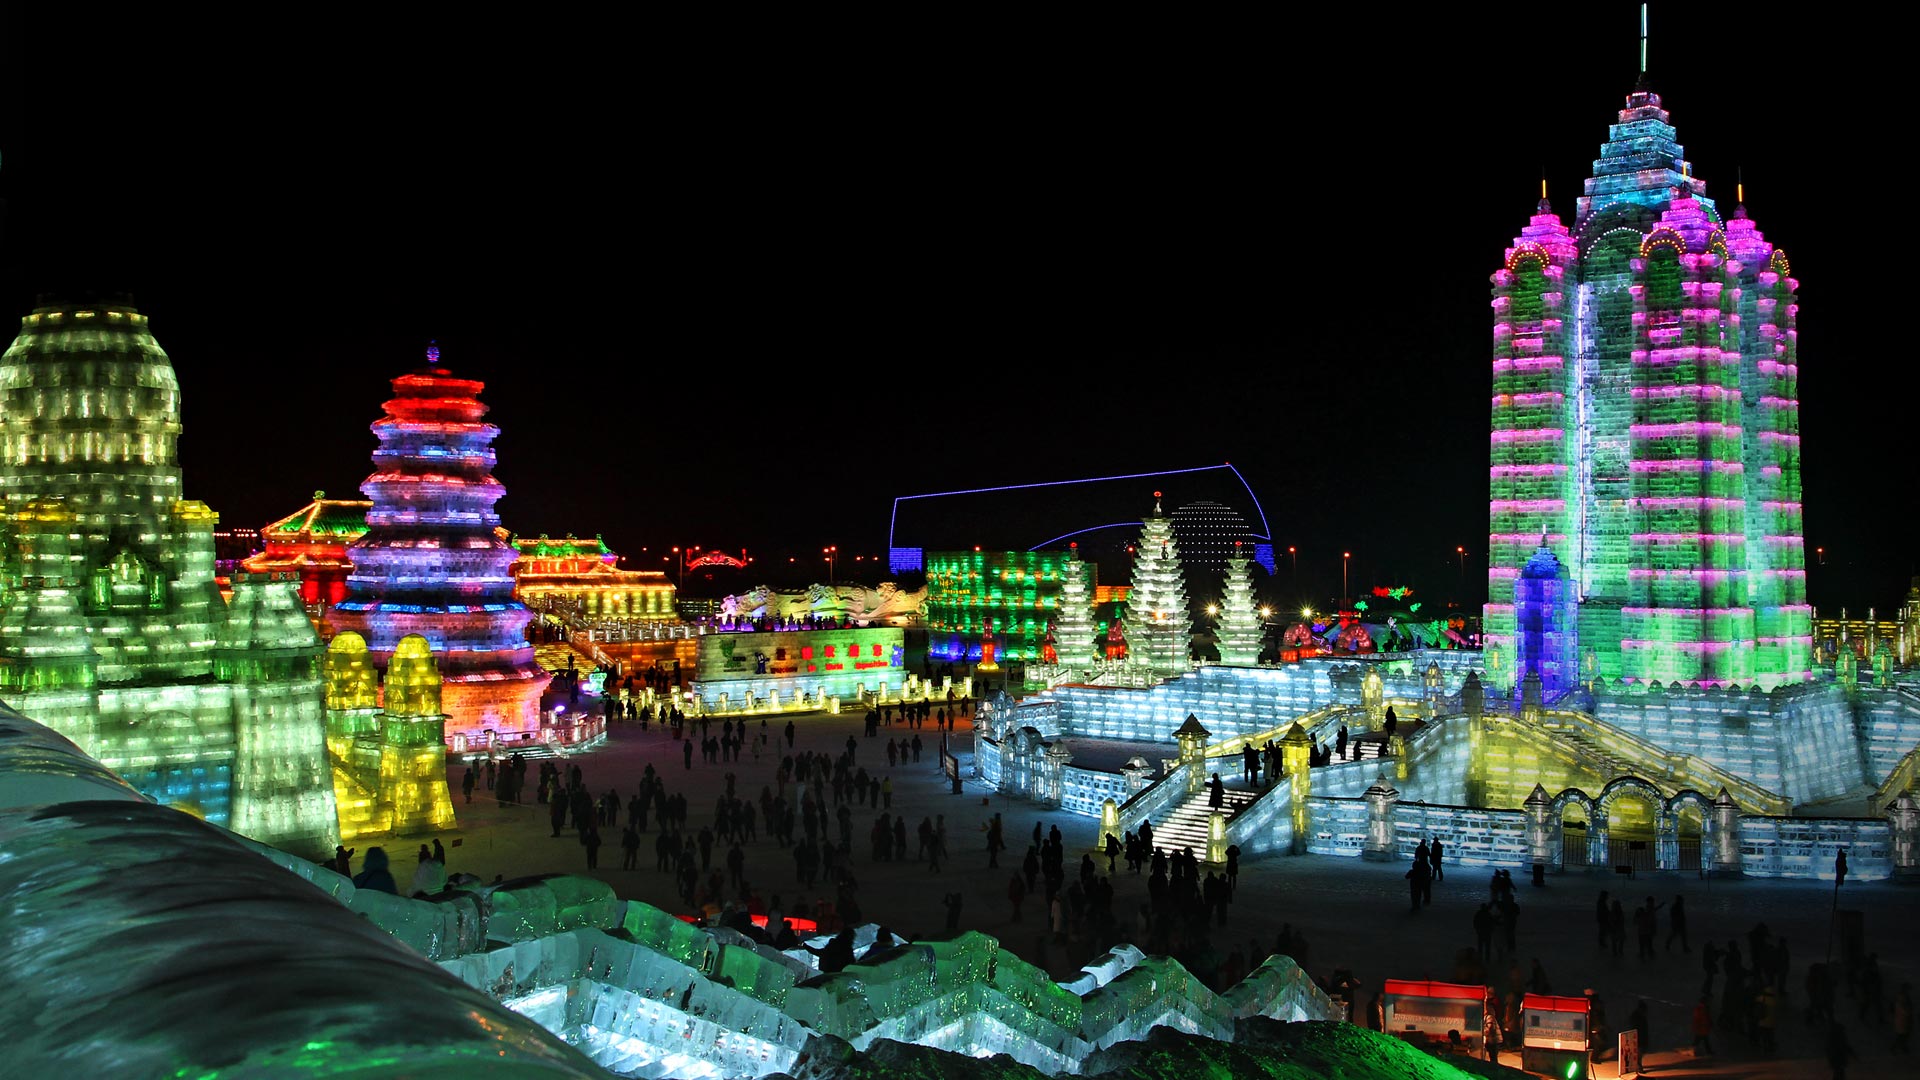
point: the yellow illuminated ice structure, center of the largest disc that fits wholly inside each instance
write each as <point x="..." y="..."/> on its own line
<point x="389" y="763"/>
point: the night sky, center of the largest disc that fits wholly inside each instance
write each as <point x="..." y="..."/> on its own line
<point x="741" y="284"/>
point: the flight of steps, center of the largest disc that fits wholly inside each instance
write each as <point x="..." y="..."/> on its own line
<point x="1187" y="825"/>
<point x="1597" y="757"/>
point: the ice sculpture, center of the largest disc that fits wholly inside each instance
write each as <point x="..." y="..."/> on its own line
<point x="431" y="563"/>
<point x="1158" y="626"/>
<point x="113" y="631"/>
<point x="1646" y="423"/>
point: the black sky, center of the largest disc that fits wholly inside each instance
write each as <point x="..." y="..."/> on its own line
<point x="740" y="284"/>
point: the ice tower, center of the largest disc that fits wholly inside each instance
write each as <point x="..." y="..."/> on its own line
<point x="1158" y="627"/>
<point x="1646" y="423"/>
<point x="1545" y="615"/>
<point x="432" y="562"/>
<point x="112" y="630"/>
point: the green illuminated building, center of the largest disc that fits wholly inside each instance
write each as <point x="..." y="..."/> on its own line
<point x="1015" y="593"/>
<point x="112" y="629"/>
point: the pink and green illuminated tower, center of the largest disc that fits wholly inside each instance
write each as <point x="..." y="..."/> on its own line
<point x="432" y="563"/>
<point x="1645" y="423"/>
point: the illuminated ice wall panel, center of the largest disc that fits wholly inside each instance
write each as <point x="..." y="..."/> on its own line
<point x="431" y="563"/>
<point x="1772" y="847"/>
<point x="1645" y="423"/>
<point x="1546" y="612"/>
<point x="1890" y="728"/>
<point x="1016" y="593"/>
<point x="833" y="662"/>
<point x="1737" y="732"/>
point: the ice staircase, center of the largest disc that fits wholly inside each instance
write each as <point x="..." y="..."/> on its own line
<point x="1186" y="827"/>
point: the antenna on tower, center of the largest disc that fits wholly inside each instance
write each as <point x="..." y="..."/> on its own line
<point x="1739" y="186"/>
<point x="1643" y="39"/>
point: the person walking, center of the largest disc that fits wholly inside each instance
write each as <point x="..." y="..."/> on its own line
<point x="1677" y="923"/>
<point x="590" y="837"/>
<point x="1434" y="852"/>
<point x="630" y="848"/>
<point x="1702" y="1029"/>
<point x="466" y="784"/>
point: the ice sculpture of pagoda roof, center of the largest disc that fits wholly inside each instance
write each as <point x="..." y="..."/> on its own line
<point x="339" y="520"/>
<point x="1543" y="564"/>
<point x="570" y="548"/>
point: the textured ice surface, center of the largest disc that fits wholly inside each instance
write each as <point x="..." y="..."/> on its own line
<point x="143" y="942"/>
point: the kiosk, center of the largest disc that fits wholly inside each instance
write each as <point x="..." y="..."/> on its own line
<point x="1556" y="1037"/>
<point x="1427" y="1013"/>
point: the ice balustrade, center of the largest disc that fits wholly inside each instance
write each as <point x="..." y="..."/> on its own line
<point x="1900" y="781"/>
<point x="1337" y="827"/>
<point x="987" y="763"/>
<point x="1083" y="791"/>
<point x="1266" y="824"/>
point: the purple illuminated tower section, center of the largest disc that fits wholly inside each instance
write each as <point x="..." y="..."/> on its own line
<point x="431" y="562"/>
<point x="1645" y="424"/>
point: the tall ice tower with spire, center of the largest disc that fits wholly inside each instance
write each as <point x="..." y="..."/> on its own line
<point x="1645" y="422"/>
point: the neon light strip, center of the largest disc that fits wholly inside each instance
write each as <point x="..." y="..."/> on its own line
<point x="1500" y="472"/>
<point x="1691" y="428"/>
<point x="1083" y="532"/>
<point x="1526" y="363"/>
<point x="1681" y="646"/>
<point x="1687" y="465"/>
<point x="1641" y="572"/>
<point x="1551" y="397"/>
<point x="1702" y="391"/>
<point x="1691" y="501"/>
<point x="1529" y="435"/>
<point x="1499" y="506"/>
<point x="1526" y="537"/>
<point x="1686" y="612"/>
<point x="894" y="519"/>
<point x="1674" y="538"/>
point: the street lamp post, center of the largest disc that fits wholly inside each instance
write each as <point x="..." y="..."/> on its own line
<point x="679" y="569"/>
<point x="1463" y="573"/>
<point x="1344" y="557"/>
<point x="830" y="551"/>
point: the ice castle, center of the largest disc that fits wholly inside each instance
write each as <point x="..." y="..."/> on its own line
<point x="113" y="630"/>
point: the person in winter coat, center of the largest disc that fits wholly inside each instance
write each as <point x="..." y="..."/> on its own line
<point x="374" y="873"/>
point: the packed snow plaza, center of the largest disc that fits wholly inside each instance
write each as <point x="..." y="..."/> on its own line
<point x="1648" y="711"/>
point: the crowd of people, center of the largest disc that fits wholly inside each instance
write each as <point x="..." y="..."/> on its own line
<point x="835" y="815"/>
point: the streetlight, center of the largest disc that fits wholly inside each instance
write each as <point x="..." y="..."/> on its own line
<point x="1344" y="556"/>
<point x="1822" y="554"/>
<point x="1293" y="553"/>
<point x="679" y="569"/>
<point x="1463" y="572"/>
<point x="830" y="552"/>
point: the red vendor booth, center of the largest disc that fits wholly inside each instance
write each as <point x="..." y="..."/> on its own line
<point x="1556" y="1036"/>
<point x="1426" y="1012"/>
